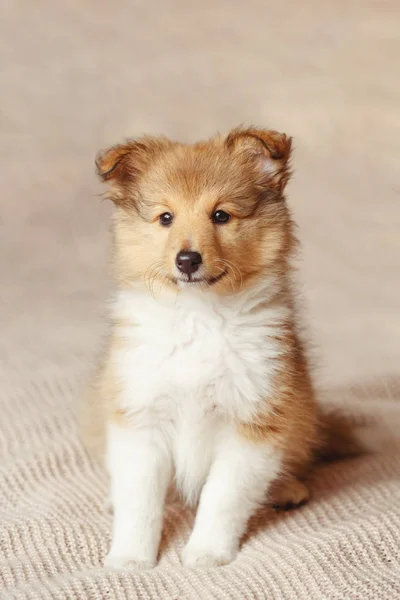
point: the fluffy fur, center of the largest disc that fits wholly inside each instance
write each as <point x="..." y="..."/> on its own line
<point x="204" y="380"/>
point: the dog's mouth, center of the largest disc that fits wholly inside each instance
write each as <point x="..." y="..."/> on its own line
<point x="201" y="281"/>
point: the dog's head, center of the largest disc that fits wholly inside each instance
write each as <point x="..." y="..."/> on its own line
<point x="208" y="215"/>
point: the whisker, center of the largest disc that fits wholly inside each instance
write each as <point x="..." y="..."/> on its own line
<point x="155" y="274"/>
<point x="229" y="278"/>
<point x="234" y="270"/>
<point x="150" y="275"/>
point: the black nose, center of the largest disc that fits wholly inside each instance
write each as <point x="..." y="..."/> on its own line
<point x="188" y="262"/>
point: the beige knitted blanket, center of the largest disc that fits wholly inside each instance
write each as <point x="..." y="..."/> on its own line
<point x="55" y="529"/>
<point x="76" y="76"/>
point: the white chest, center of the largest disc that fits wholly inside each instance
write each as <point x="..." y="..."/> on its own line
<point x="192" y="365"/>
<point x="193" y="348"/>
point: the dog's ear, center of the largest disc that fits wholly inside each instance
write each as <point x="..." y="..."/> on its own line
<point x="113" y="164"/>
<point x="122" y="165"/>
<point x="269" y="149"/>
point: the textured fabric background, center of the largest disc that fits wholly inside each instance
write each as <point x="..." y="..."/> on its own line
<point x="78" y="75"/>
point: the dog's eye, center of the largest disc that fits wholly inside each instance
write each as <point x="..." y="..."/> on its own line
<point x="220" y="217"/>
<point x="166" y="219"/>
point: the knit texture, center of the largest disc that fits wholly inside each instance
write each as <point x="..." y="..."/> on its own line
<point x="55" y="528"/>
<point x="77" y="76"/>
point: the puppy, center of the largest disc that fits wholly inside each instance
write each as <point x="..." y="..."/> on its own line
<point x="204" y="379"/>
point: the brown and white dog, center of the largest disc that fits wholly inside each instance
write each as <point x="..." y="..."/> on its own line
<point x="205" y="378"/>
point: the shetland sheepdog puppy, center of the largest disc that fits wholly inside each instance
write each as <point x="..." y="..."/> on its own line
<point x="204" y="381"/>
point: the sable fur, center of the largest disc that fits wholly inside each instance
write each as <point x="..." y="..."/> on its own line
<point x="244" y="174"/>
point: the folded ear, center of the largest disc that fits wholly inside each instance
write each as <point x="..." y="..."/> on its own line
<point x="113" y="164"/>
<point x="123" y="164"/>
<point x="269" y="149"/>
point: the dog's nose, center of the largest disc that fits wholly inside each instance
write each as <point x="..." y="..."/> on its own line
<point x="188" y="262"/>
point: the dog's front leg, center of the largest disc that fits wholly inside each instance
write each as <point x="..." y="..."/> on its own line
<point x="236" y="486"/>
<point x="139" y="463"/>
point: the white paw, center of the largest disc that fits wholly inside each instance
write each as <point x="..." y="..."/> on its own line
<point x="126" y="562"/>
<point x="201" y="557"/>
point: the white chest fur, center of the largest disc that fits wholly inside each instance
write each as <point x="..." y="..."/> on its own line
<point x="191" y="364"/>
